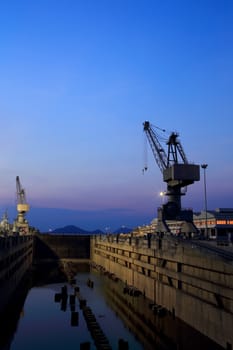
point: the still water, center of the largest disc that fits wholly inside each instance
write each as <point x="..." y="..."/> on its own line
<point x="45" y="322"/>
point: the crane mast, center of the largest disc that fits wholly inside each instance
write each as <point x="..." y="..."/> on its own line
<point x="177" y="173"/>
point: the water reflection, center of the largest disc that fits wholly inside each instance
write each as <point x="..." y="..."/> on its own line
<point x="90" y="309"/>
<point x="154" y="327"/>
<point x="10" y="317"/>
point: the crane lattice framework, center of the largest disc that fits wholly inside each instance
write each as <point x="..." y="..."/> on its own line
<point x="177" y="173"/>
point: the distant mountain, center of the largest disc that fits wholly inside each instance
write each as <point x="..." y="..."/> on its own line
<point x="71" y="229"/>
<point x="123" y="229"/>
<point x="75" y="230"/>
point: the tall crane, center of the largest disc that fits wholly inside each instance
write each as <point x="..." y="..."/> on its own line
<point x="177" y="173"/>
<point x="21" y="224"/>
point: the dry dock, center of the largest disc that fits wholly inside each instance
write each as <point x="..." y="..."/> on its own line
<point x="192" y="282"/>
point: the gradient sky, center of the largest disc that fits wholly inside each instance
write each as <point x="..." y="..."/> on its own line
<point x="79" y="78"/>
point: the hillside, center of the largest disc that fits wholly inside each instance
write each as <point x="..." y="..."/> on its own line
<point x="72" y="229"/>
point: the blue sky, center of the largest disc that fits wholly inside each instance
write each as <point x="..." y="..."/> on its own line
<point x="79" y="78"/>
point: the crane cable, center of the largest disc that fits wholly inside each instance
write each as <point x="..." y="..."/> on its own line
<point x="145" y="154"/>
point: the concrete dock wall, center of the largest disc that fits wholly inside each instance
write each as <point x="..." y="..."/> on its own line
<point x="193" y="285"/>
<point x="50" y="247"/>
<point x="16" y="255"/>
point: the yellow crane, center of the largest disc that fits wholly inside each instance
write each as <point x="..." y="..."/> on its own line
<point x="21" y="224"/>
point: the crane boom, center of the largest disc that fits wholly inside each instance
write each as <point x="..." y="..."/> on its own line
<point x="175" y="152"/>
<point x="22" y="205"/>
<point x="21" y="197"/>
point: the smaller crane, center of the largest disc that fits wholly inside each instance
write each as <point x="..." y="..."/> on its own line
<point x="21" y="224"/>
